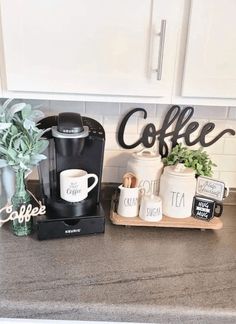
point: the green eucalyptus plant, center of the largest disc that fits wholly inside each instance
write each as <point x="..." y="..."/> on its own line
<point x="21" y="143"/>
<point x="198" y="160"/>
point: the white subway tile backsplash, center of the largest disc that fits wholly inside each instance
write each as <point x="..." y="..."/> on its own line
<point x="216" y="174"/>
<point x="116" y="158"/>
<point x="121" y="172"/>
<point x="57" y="106"/>
<point x="110" y="174"/>
<point x="232" y="113"/>
<point x="210" y="112"/>
<point x="41" y="104"/>
<point x="150" y="108"/>
<point x="198" y="113"/>
<point x="216" y="148"/>
<point x="161" y="111"/>
<point x="229" y="178"/>
<point x="230" y="146"/>
<point x="111" y="142"/>
<point x="223" y="152"/>
<point x="110" y="124"/>
<point x="103" y="108"/>
<point x="224" y="162"/>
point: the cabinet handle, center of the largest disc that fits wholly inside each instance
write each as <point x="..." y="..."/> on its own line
<point x="162" y="35"/>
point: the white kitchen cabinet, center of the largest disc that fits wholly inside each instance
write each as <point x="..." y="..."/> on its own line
<point x="210" y="58"/>
<point x="105" y="47"/>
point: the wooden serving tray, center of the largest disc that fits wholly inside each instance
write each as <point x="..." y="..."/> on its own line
<point x="190" y="222"/>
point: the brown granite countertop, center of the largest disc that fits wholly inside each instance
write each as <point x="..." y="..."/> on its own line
<point x="156" y="275"/>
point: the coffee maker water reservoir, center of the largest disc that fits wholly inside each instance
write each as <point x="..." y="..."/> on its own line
<point x="75" y="143"/>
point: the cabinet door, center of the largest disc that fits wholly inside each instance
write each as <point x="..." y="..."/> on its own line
<point x="210" y="63"/>
<point x="90" y="47"/>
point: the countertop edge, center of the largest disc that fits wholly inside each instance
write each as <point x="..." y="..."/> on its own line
<point x="109" y="312"/>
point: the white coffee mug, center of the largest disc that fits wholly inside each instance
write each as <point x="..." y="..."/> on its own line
<point x="74" y="184"/>
<point x="151" y="208"/>
<point x="128" y="205"/>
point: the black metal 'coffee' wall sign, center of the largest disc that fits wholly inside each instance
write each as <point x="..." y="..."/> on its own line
<point x="150" y="134"/>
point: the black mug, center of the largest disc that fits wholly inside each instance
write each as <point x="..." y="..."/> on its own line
<point x="205" y="208"/>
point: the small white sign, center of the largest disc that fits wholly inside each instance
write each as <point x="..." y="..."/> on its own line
<point x="24" y="213"/>
<point x="211" y="188"/>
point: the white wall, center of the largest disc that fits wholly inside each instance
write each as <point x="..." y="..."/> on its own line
<point x="223" y="152"/>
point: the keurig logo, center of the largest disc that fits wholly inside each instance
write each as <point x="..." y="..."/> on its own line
<point x="75" y="230"/>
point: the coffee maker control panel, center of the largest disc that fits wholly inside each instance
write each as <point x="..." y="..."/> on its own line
<point x="95" y="128"/>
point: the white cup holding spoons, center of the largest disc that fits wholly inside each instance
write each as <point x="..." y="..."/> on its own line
<point x="128" y="205"/>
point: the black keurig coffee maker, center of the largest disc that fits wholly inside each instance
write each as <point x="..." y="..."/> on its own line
<point x="70" y="177"/>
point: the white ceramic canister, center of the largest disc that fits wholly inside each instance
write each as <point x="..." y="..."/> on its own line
<point x="177" y="189"/>
<point x="151" y="208"/>
<point x="147" y="166"/>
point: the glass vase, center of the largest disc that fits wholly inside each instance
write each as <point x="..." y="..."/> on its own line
<point x="19" y="198"/>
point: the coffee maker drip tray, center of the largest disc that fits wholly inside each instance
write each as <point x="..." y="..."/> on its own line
<point x="57" y="208"/>
<point x="49" y="228"/>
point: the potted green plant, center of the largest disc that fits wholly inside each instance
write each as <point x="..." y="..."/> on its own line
<point x="21" y="148"/>
<point x="198" y="160"/>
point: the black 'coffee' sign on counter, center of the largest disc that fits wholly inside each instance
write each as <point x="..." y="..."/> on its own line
<point x="181" y="117"/>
